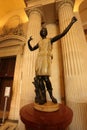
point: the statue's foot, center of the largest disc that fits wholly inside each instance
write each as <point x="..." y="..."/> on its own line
<point x="41" y="102"/>
<point x="36" y="99"/>
<point x="54" y="99"/>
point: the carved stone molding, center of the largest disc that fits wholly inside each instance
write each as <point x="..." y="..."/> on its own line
<point x="12" y="37"/>
<point x="13" y="31"/>
<point x="13" y="26"/>
<point x="11" y="45"/>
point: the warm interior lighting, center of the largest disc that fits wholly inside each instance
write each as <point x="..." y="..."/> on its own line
<point x="10" y="8"/>
<point x="77" y="3"/>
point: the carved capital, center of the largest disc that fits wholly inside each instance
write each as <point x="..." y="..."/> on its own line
<point x="60" y="3"/>
<point x="38" y="11"/>
<point x="30" y="11"/>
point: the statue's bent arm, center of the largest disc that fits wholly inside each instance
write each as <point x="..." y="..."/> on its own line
<point x="32" y="48"/>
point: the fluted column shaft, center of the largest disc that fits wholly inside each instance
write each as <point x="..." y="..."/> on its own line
<point x="74" y="48"/>
<point x="34" y="26"/>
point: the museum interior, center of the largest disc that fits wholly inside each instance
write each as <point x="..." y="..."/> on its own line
<point x="21" y="19"/>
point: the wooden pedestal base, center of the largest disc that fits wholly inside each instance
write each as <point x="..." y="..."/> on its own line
<point x="47" y="107"/>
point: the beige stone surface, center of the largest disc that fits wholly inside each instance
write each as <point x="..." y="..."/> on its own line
<point x="8" y="126"/>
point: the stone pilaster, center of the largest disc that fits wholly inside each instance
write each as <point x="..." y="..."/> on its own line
<point x="15" y="102"/>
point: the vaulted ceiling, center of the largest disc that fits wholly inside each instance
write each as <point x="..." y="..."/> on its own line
<point x="9" y="8"/>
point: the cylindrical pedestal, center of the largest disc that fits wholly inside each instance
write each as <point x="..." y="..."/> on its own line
<point x="37" y="120"/>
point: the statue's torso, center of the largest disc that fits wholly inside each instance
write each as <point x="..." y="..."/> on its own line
<point x="43" y="62"/>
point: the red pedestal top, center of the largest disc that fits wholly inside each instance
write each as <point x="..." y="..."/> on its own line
<point x="37" y="120"/>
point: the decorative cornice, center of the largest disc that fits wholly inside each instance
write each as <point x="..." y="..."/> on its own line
<point x="12" y="37"/>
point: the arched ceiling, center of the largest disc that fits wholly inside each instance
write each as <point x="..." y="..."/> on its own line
<point x="10" y="5"/>
<point x="16" y="7"/>
<point x="8" y="8"/>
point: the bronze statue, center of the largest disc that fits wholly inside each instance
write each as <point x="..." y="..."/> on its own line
<point x="43" y="63"/>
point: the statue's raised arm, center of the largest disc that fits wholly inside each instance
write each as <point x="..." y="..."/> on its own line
<point x="73" y="20"/>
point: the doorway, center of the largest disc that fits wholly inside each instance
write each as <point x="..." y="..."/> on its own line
<point x="7" y="67"/>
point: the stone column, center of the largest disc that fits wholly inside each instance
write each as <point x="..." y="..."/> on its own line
<point x="74" y="47"/>
<point x="15" y="102"/>
<point x="33" y="29"/>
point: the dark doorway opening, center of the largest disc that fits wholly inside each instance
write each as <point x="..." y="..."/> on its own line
<point x="7" y="67"/>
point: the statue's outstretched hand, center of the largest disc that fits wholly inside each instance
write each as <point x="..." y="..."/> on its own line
<point x="74" y="19"/>
<point x="30" y="38"/>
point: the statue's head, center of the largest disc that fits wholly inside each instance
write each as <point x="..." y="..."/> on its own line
<point x="43" y="32"/>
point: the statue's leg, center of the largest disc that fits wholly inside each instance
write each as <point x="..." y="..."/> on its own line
<point x="42" y="90"/>
<point x="39" y="90"/>
<point x="36" y="84"/>
<point x="49" y="88"/>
